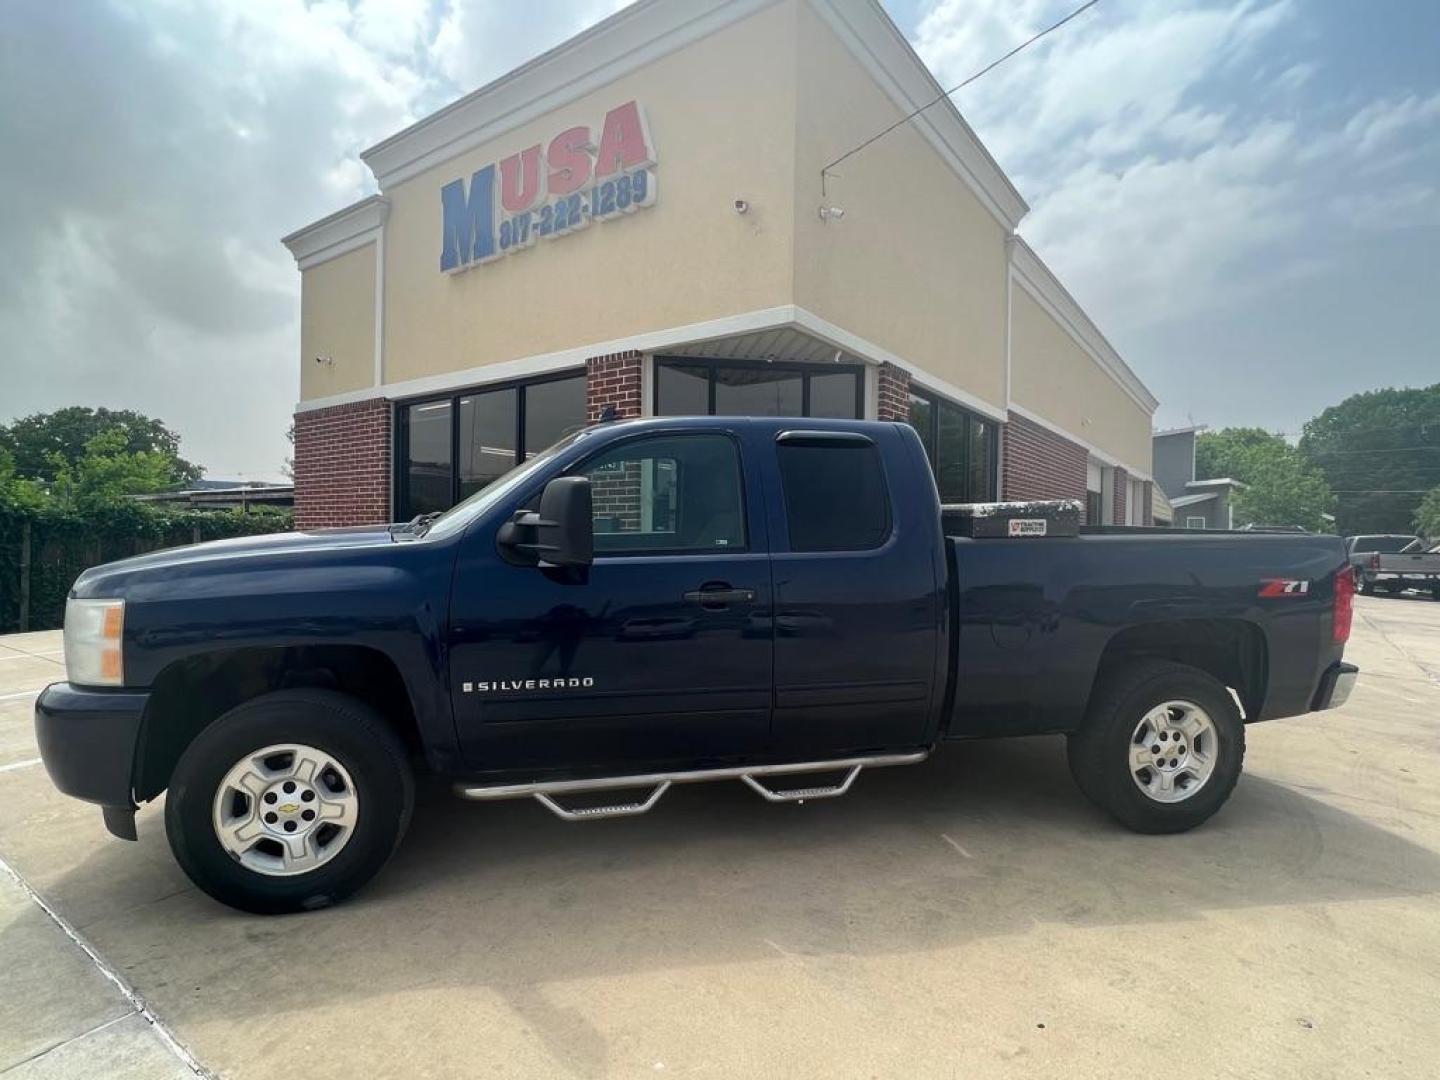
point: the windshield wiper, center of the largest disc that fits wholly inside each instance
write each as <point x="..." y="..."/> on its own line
<point x="417" y="525"/>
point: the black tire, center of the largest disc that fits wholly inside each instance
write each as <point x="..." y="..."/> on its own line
<point x="360" y="741"/>
<point x="1099" y="752"/>
<point x="1367" y="587"/>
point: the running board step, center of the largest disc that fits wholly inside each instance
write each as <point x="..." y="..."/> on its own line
<point x="801" y="794"/>
<point x="658" y="783"/>
<point x="588" y="813"/>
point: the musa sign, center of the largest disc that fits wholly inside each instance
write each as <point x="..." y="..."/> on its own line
<point x="546" y="191"/>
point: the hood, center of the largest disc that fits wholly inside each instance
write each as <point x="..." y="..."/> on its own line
<point x="279" y="547"/>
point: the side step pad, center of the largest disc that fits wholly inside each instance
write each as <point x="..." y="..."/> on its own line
<point x="658" y="783"/>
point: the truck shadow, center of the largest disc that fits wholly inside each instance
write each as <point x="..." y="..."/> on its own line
<point x="984" y="840"/>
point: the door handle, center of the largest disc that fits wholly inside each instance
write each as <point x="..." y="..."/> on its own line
<point x="720" y="596"/>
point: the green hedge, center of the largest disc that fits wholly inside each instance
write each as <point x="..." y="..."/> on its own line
<point x="64" y="542"/>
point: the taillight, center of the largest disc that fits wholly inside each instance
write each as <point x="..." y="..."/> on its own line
<point x="1344" y="606"/>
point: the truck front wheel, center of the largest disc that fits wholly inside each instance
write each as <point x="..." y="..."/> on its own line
<point x="289" y="802"/>
<point x="1162" y="746"/>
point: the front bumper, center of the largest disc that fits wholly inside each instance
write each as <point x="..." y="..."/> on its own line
<point x="87" y="740"/>
<point x="1335" y="685"/>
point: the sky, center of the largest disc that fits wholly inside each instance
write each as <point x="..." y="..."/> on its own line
<point x="1244" y="194"/>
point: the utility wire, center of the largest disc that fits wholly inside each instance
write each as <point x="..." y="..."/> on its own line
<point x="958" y="86"/>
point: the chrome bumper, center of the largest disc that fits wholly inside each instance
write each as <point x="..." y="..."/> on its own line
<point x="1335" y="685"/>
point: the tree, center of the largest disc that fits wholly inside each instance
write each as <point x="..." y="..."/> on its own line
<point x="1427" y="514"/>
<point x="1281" y="487"/>
<point x="35" y="441"/>
<point x="1380" y="452"/>
<point x="109" y="471"/>
<point x="16" y="492"/>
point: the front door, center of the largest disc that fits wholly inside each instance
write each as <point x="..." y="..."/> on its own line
<point x="660" y="652"/>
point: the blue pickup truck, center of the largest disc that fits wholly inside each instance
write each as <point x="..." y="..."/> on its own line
<point x="655" y="602"/>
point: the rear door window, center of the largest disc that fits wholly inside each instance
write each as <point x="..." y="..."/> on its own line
<point x="835" y="495"/>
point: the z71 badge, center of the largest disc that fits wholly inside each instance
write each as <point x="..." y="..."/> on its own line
<point x="1275" y="587"/>
<point x="570" y="683"/>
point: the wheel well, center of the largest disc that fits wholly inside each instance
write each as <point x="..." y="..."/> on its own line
<point x="1231" y="650"/>
<point x="192" y="693"/>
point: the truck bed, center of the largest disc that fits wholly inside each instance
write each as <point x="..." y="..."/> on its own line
<point x="1050" y="613"/>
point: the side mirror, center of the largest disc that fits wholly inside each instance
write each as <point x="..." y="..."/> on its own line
<point x="561" y="532"/>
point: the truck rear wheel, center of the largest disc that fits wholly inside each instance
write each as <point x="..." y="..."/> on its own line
<point x="1162" y="746"/>
<point x="289" y="802"/>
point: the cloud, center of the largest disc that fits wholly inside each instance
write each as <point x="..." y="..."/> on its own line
<point x="478" y="42"/>
<point x="156" y="150"/>
<point x="1382" y="123"/>
<point x="1171" y="169"/>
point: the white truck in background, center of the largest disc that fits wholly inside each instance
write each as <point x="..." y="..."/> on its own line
<point x="1392" y="563"/>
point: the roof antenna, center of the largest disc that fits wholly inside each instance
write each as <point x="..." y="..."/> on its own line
<point x="608" y="415"/>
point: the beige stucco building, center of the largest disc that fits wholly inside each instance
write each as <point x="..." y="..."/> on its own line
<point x="637" y="220"/>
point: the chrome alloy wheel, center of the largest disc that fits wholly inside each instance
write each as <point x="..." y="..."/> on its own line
<point x="286" y="809"/>
<point x="1173" y="751"/>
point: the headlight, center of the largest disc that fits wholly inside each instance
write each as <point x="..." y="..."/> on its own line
<point x="93" y="632"/>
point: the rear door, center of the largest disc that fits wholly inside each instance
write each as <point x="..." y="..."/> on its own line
<point x="858" y="591"/>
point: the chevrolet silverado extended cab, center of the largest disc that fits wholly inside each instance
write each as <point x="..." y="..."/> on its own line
<point x="661" y="601"/>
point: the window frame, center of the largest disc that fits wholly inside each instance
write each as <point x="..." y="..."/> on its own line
<point x="930" y="441"/>
<point x="1203" y="522"/>
<point x="806" y="371"/>
<point x="580" y="468"/>
<point x="400" y="450"/>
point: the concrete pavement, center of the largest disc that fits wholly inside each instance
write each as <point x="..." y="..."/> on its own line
<point x="972" y="916"/>
<point x="64" y="1012"/>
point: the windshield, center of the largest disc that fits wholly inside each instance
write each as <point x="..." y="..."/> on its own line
<point x="462" y="513"/>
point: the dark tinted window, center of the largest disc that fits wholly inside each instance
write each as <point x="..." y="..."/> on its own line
<point x="834" y="395"/>
<point x="487" y="438"/>
<point x="961" y="448"/>
<point x="682" y="390"/>
<point x="552" y="411"/>
<point x="427" y="470"/>
<point x="835" y="498"/>
<point x="757" y="391"/>
<point x="952" y="454"/>
<point x="1385" y="545"/>
<point x="670" y="493"/>
<point x="484" y="428"/>
<point x="739" y="388"/>
<point x="981" y="486"/>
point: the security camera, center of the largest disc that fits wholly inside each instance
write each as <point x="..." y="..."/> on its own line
<point x="741" y="206"/>
<point x="323" y="360"/>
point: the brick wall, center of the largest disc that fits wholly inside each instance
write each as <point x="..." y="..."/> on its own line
<point x="1038" y="464"/>
<point x="613" y="380"/>
<point x="1122" y="493"/>
<point x="893" y="397"/>
<point x="342" y="465"/>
